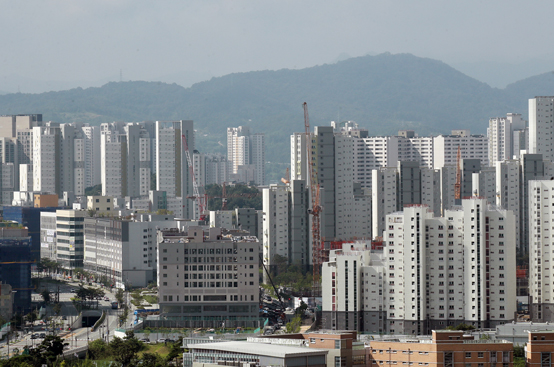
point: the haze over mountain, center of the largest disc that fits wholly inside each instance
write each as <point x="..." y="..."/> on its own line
<point x="383" y="93"/>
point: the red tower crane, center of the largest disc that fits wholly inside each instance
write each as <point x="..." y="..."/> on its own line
<point x="315" y="211"/>
<point x="200" y="200"/>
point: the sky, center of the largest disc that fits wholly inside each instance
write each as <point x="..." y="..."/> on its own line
<point x="69" y="43"/>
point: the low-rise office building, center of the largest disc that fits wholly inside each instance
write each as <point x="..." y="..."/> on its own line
<point x="445" y="349"/>
<point x="539" y="350"/>
<point x="123" y="250"/>
<point x="207" y="279"/>
<point x="240" y="353"/>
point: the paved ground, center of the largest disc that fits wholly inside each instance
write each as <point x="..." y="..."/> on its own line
<point x="78" y="337"/>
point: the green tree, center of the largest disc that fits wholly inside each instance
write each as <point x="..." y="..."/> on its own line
<point x="47" y="351"/>
<point x="300" y="309"/>
<point x="125" y="350"/>
<point x="519" y="356"/>
<point x="45" y="294"/>
<point x="152" y="360"/>
<point x="175" y="350"/>
<point x="294" y="325"/>
<point x="99" y="349"/>
<point x="119" y="296"/>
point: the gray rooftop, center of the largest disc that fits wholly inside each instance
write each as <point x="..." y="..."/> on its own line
<point x="260" y="349"/>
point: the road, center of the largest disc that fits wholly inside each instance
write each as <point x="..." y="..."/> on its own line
<point x="77" y="337"/>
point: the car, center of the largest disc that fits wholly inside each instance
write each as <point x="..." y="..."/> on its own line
<point x="34" y="336"/>
<point x="72" y="290"/>
<point x="106" y="299"/>
<point x="42" y="335"/>
<point x="145" y="340"/>
<point x="161" y="340"/>
<point x="64" y="317"/>
<point x="169" y="340"/>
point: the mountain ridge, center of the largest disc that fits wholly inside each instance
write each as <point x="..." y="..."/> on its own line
<point x="383" y="93"/>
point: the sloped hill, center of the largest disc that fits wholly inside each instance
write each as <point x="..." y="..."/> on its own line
<point x="383" y="93"/>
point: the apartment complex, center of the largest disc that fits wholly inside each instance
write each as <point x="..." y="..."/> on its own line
<point x="425" y="282"/>
<point x="246" y="155"/>
<point x="125" y="159"/>
<point x="508" y="136"/>
<point x="172" y="173"/>
<point x="208" y="278"/>
<point x="541" y="126"/>
<point x="285" y="228"/>
<point x="541" y="288"/>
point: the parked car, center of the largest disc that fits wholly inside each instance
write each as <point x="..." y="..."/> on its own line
<point x="34" y="336"/>
<point x="42" y="335"/>
<point x="162" y="340"/>
<point x="106" y="299"/>
<point x="145" y="340"/>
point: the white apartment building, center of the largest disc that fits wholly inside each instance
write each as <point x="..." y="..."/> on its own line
<point x="246" y="151"/>
<point x="285" y="228"/>
<point x="210" y="169"/>
<point x="299" y="169"/>
<point x="541" y="127"/>
<point x="172" y="173"/>
<point x="541" y="255"/>
<point x="25" y="177"/>
<point x="384" y="198"/>
<point x="221" y="219"/>
<point x="9" y="179"/>
<point x="46" y="159"/>
<point x="434" y="287"/>
<point x="91" y="141"/>
<point x="276" y="223"/>
<point x="504" y="137"/>
<point x="205" y="280"/>
<point x="8" y="182"/>
<point x="508" y="191"/>
<point x="112" y="146"/>
<point x="125" y="160"/>
<point x="436" y="272"/>
<point x="353" y="293"/>
<point x="484" y="184"/>
<point x="445" y="148"/>
<point x="533" y="167"/>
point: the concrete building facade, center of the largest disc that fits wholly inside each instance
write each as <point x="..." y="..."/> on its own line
<point x="207" y="279"/>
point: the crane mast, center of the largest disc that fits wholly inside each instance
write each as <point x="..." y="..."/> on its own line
<point x="315" y="211"/>
<point x="458" y="184"/>
<point x="200" y="200"/>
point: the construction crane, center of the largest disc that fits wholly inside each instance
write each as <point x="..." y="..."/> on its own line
<point x="200" y="200"/>
<point x="315" y="211"/>
<point x="458" y="184"/>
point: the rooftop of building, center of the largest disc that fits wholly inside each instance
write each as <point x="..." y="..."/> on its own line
<point x="176" y="235"/>
<point x="259" y="349"/>
<point x="440" y="337"/>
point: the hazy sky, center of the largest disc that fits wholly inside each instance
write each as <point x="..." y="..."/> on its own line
<point x="77" y="40"/>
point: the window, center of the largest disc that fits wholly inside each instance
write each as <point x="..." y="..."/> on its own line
<point x="480" y="354"/>
<point x="468" y="354"/>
